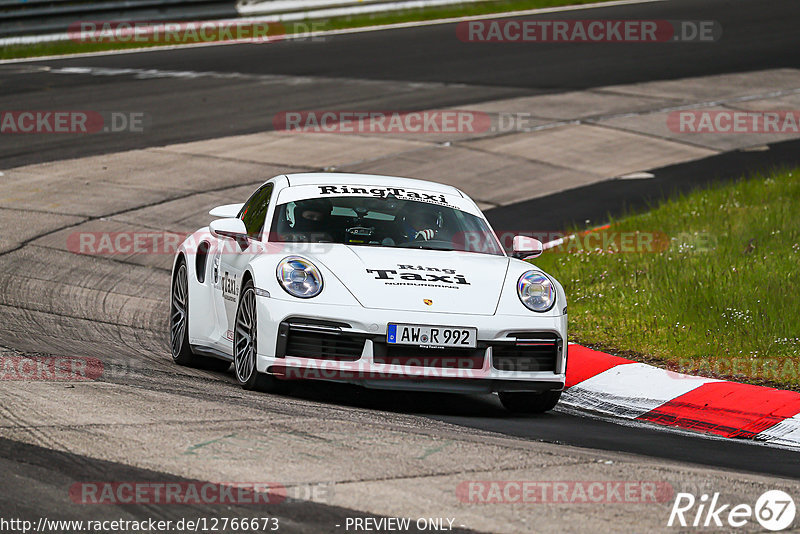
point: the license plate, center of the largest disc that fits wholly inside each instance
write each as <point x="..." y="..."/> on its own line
<point x="432" y="336"/>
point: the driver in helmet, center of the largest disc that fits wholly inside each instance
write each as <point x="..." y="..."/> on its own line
<point x="419" y="222"/>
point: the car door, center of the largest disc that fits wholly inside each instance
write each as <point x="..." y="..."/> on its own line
<point x="231" y="260"/>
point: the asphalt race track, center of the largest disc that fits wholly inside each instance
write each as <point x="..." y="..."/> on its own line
<point x="115" y="309"/>
<point x="451" y="72"/>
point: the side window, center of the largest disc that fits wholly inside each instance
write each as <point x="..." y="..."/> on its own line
<point x="254" y="212"/>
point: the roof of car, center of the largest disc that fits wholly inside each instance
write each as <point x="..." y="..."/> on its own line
<point x="340" y="178"/>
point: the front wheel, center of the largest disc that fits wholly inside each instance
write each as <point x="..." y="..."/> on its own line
<point x="245" y="338"/>
<point x="525" y="402"/>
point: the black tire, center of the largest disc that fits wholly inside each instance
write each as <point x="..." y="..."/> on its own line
<point x="179" y="325"/>
<point x="245" y="341"/>
<point x="179" y="317"/>
<point x="524" y="402"/>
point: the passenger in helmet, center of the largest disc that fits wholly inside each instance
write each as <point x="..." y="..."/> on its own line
<point x="312" y="215"/>
<point x="310" y="221"/>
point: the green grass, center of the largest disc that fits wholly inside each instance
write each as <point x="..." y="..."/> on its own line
<point x="433" y="13"/>
<point x="721" y="299"/>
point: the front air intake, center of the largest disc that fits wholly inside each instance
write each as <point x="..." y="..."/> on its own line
<point x="531" y="352"/>
<point x="319" y="342"/>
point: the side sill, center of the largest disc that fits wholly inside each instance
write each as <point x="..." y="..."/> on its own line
<point x="211" y="352"/>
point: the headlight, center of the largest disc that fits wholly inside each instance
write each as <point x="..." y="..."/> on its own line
<point x="299" y="277"/>
<point x="536" y="291"/>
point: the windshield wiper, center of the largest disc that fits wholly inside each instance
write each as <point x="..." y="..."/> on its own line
<point x="367" y="245"/>
<point x="422" y="246"/>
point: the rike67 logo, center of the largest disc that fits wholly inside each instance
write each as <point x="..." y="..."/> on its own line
<point x="774" y="510"/>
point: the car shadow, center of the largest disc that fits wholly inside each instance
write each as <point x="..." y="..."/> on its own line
<point x="424" y="403"/>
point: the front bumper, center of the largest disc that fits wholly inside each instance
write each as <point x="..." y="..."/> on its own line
<point x="473" y="371"/>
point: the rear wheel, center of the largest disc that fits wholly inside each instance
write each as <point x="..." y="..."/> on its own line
<point x="179" y="326"/>
<point x="525" y="402"/>
<point x="245" y="338"/>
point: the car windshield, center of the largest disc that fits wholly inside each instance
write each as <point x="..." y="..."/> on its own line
<point x="382" y="222"/>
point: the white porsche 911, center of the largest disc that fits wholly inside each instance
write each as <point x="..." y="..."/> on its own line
<point x="386" y="282"/>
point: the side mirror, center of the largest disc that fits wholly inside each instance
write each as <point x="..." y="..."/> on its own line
<point x="226" y="211"/>
<point x="525" y="247"/>
<point x="230" y="227"/>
